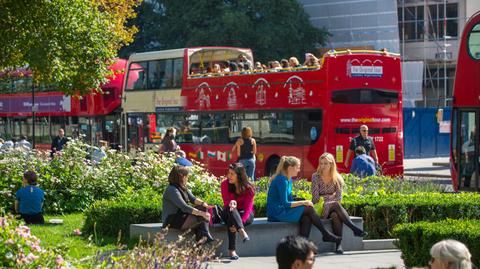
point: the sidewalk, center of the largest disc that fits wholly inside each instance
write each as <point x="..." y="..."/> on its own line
<point x="350" y="259"/>
<point x="426" y="167"/>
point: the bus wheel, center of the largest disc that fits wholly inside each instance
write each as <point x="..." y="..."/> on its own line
<point x="271" y="166"/>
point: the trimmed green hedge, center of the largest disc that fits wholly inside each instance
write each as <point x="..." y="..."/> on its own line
<point x="111" y="217"/>
<point x="381" y="213"/>
<point x="416" y="239"/>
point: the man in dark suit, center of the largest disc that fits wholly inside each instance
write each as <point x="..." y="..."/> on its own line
<point x="58" y="142"/>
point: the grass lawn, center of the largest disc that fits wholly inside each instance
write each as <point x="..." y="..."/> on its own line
<point x="61" y="236"/>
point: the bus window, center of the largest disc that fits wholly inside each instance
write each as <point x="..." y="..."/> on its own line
<point x="136" y="79"/>
<point x="389" y="130"/>
<point x="468" y="147"/>
<point x="364" y="96"/>
<point x="342" y="131"/>
<point x="215" y="128"/>
<point x="276" y="127"/>
<point x="474" y="42"/>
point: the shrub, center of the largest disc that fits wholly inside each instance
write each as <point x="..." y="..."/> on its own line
<point x="72" y="183"/>
<point x="416" y="239"/>
<point x="111" y="217"/>
<point x="20" y="249"/>
<point x="182" y="253"/>
<point x="382" y="212"/>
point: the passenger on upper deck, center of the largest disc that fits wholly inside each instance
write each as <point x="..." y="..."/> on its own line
<point x="294" y="63"/>
<point x="285" y="63"/>
<point x="311" y="60"/>
<point x="243" y="59"/>
<point x="258" y="66"/>
<point x="216" y="69"/>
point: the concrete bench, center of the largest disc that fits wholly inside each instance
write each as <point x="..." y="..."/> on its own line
<point x="264" y="236"/>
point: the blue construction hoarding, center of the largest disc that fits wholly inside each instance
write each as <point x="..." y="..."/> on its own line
<point x="422" y="133"/>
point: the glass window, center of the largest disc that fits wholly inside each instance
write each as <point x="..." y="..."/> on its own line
<point x="389" y="130"/>
<point x="364" y="96"/>
<point x="215" y="128"/>
<point x="276" y="127"/>
<point x="474" y="42"/>
<point x="137" y="79"/>
<point x="155" y="74"/>
<point x="467" y="149"/>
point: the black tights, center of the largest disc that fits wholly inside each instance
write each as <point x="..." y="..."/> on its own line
<point x="309" y="217"/>
<point x="339" y="216"/>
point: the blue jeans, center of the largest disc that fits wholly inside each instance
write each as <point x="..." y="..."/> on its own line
<point x="249" y="165"/>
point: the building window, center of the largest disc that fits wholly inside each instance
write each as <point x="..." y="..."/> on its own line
<point x="414" y="20"/>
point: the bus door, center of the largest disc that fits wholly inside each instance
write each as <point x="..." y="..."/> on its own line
<point x="467" y="149"/>
<point x="136" y="127"/>
<point x="311" y="125"/>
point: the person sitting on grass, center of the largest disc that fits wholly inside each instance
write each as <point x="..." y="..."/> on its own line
<point x="29" y="200"/>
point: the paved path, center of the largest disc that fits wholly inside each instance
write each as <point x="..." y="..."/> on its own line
<point x="350" y="259"/>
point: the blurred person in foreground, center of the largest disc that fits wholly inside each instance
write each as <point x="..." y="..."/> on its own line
<point x="295" y="252"/>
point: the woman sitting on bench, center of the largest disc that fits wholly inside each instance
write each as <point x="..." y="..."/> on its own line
<point x="177" y="213"/>
<point x="326" y="182"/>
<point x="282" y="207"/>
<point x="237" y="194"/>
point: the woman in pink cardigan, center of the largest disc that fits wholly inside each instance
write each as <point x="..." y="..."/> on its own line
<point x="237" y="194"/>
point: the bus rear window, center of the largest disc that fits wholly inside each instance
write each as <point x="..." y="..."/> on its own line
<point x="364" y="96"/>
<point x="342" y="131"/>
<point x="389" y="130"/>
<point x="370" y="131"/>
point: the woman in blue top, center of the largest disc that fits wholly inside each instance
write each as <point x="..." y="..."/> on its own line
<point x="282" y="207"/>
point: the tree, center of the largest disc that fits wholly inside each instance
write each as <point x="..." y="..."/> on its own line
<point x="274" y="29"/>
<point x="69" y="43"/>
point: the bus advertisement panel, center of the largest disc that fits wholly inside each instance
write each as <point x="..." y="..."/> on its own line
<point x="301" y="111"/>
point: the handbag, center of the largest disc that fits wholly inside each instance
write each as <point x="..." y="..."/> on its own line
<point x="216" y="214"/>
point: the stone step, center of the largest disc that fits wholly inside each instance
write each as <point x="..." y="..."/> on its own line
<point x="264" y="236"/>
<point x="379" y="244"/>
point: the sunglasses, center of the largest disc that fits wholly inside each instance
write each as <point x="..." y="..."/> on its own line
<point x="234" y="166"/>
<point x="364" y="131"/>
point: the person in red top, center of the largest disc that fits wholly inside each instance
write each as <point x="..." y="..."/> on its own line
<point x="237" y="194"/>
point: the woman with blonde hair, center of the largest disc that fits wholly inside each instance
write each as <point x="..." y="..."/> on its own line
<point x="328" y="183"/>
<point x="281" y="206"/>
<point x="450" y="254"/>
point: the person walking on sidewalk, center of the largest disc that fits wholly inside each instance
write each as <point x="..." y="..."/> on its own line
<point x="246" y="148"/>
<point x="362" y="140"/>
<point x="281" y="206"/>
<point x="237" y="195"/>
<point x="328" y="183"/>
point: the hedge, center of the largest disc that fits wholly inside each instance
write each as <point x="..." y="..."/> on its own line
<point x="416" y="239"/>
<point x="382" y="212"/>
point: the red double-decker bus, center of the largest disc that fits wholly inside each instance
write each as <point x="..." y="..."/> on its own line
<point x="302" y="111"/>
<point x="96" y="116"/>
<point x="465" y="152"/>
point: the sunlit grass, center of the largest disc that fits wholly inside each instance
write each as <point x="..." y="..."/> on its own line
<point x="61" y="236"/>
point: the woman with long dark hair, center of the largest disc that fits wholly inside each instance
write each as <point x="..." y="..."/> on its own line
<point x="327" y="183"/>
<point x="168" y="143"/>
<point x="178" y="212"/>
<point x="237" y="194"/>
<point x="282" y="207"/>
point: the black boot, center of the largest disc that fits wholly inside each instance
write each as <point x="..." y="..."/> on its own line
<point x="338" y="248"/>
<point x="329" y="237"/>
<point x="203" y="232"/>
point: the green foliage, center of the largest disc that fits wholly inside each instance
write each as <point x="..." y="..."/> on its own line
<point x="111" y="217"/>
<point x="382" y="212"/>
<point x="282" y="25"/>
<point x="68" y="43"/>
<point x="20" y="249"/>
<point x="182" y="253"/>
<point x="72" y="183"/>
<point x="416" y="239"/>
<point x="386" y="185"/>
